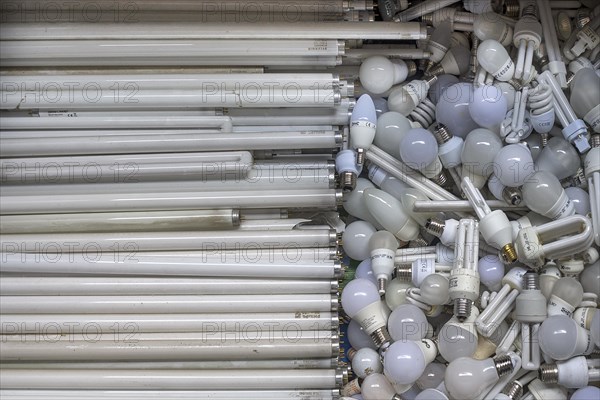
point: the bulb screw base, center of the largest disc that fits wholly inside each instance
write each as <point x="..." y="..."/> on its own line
<point x="504" y="365"/>
<point x="514" y="391"/>
<point x="509" y="253"/>
<point x="397" y="397"/>
<point x="544" y="137"/>
<point x="462" y="308"/>
<point x="418" y="242"/>
<point x="441" y="179"/>
<point x="347" y="181"/>
<point x="404" y="274"/>
<point x="532" y="281"/>
<point x="360" y="156"/>
<point x="381" y="336"/>
<point x="434" y="71"/>
<point x="442" y="134"/>
<point x="549" y="373"/>
<point x="512" y="195"/>
<point x="595" y="141"/>
<point x="511" y="8"/>
<point x="435" y="226"/>
<point x="381" y="285"/>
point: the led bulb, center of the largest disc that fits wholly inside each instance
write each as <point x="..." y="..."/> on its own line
<point x="435" y="290"/>
<point x="439" y="43"/>
<point x="458" y="339"/>
<point x="365" y="362"/>
<point x="585" y="92"/>
<point x="514" y="165"/>
<point x="381" y="106"/>
<point x="386" y="182"/>
<point x="544" y="194"/>
<point x="559" y="158"/>
<point x="432" y="377"/>
<point x="363" y="125"/>
<point x="391" y="128"/>
<point x="355" y="239"/>
<point x="452" y="109"/>
<point x="490" y="25"/>
<point x="576" y="372"/>
<point x="377" y="387"/>
<point x="408" y="197"/>
<point x="455" y="62"/>
<point x="431" y="394"/>
<point x="406" y="98"/>
<point x="361" y="301"/>
<point x="437" y="89"/>
<point x="395" y="294"/>
<point x="418" y="148"/>
<point x="407" y="322"/>
<point x="561" y="338"/>
<point x="358" y="338"/>
<point x="364" y="271"/>
<point x="590" y="279"/>
<point x="377" y="74"/>
<point x="494" y="58"/>
<point x="347" y="168"/>
<point x="586" y="393"/>
<point x="390" y="213"/>
<point x="468" y="379"/>
<point x="354" y="202"/>
<point x="491" y="272"/>
<point x="405" y="361"/>
<point x="566" y="295"/>
<point x="580" y="199"/>
<point x="489" y="106"/>
<point x="382" y="246"/>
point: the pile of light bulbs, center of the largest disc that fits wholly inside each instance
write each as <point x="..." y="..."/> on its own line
<point x="474" y="209"/>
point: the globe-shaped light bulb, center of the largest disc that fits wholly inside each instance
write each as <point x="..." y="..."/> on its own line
<point x="418" y="148"/>
<point x="489" y="106"/>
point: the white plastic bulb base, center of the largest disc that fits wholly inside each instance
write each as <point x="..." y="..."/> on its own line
<point x="593" y="118"/>
<point x="347" y="168"/>
<point x="542" y="123"/>
<point x="575" y="133"/>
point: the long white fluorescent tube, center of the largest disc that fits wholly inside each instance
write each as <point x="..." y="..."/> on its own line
<point x="212" y="31"/>
<point x="122" y="326"/>
<point x="184" y="220"/>
<point x="292" y="116"/>
<point x="252" y="263"/>
<point x="166" y="241"/>
<point x="168" y="394"/>
<point x="460" y="205"/>
<point x="316" y="198"/>
<point x="117" y="121"/>
<point x="164" y="52"/>
<point x="168" y="304"/>
<point x="168" y="143"/>
<point x="407" y="54"/>
<point x="95" y="286"/>
<point x="93" y="133"/>
<point x="167" y="379"/>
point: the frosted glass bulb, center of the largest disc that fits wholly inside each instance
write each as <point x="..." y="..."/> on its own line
<point x="580" y="199"/>
<point x="455" y="62"/>
<point x="404" y="99"/>
<point x="489" y="106"/>
<point x="363" y="125"/>
<point x="585" y="92"/>
<point x="354" y="203"/>
<point x="382" y="247"/>
<point x="590" y="278"/>
<point x="357" y="337"/>
<point x="364" y="271"/>
<point x="562" y="338"/>
<point x="514" y="165"/>
<point x="566" y="295"/>
<point x="509" y="93"/>
<point x="408" y="196"/>
<point x="439" y="42"/>
<point x="435" y="290"/>
<point x="586" y="393"/>
<point x="391" y="128"/>
<point x="559" y="158"/>
<point x="355" y="239"/>
<point x="381" y="106"/>
<point x="480" y="148"/>
<point x="395" y="294"/>
<point x="418" y="148"/>
<point x="494" y="58"/>
<point x="366" y="362"/>
<point x="490" y="25"/>
<point x="467" y="379"/>
<point x="491" y="272"/>
<point x="407" y="322"/>
<point x="377" y="387"/>
<point x="432" y="376"/>
<point x="458" y="339"/>
<point x="452" y="109"/>
<point x="389" y="212"/>
<point x="377" y="74"/>
<point x="437" y="89"/>
<point x="595" y="328"/>
<point x="431" y="394"/>
<point x="404" y="362"/>
<point x="544" y="194"/>
<point x="386" y="182"/>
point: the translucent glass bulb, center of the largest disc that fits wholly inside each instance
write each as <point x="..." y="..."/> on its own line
<point x="559" y="158"/>
<point x="491" y="272"/>
<point x="364" y="271"/>
<point x="436" y="91"/>
<point x="418" y="148"/>
<point x="354" y="202"/>
<point x="435" y="290"/>
<point x="489" y="106"/>
<point x="389" y="212"/>
<point x="382" y="247"/>
<point x="440" y="41"/>
<point x="544" y="194"/>
<point x="455" y="62"/>
<point x="490" y="25"/>
<point x="404" y="362"/>
<point x="365" y="362"/>
<point x="590" y="278"/>
<point x="562" y="338"/>
<point x="407" y="322"/>
<point x="480" y="149"/>
<point x="458" y="339"/>
<point x="377" y="387"/>
<point x="377" y="74"/>
<point x="566" y="295"/>
<point x="358" y="338"/>
<point x="452" y="109"/>
<point x="432" y="376"/>
<point x="395" y="294"/>
<point x="514" y="165"/>
<point x="391" y="128"/>
<point x="585" y="92"/>
<point x="580" y="199"/>
<point x="363" y="123"/>
<point x="494" y="58"/>
<point x="355" y="239"/>
<point x="586" y="393"/>
<point x="467" y="379"/>
<point x="358" y="294"/>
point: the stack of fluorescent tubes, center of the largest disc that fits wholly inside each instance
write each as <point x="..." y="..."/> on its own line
<point x="165" y="186"/>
